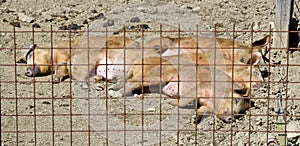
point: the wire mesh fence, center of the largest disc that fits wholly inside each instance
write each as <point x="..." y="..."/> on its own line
<point x="141" y="86"/>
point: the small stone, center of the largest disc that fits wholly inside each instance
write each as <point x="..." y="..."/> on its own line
<point x="15" y="24"/>
<point x="63" y="27"/>
<point x="25" y="18"/>
<point x="94" y="11"/>
<point x="189" y="7"/>
<point x="48" y="19"/>
<point x="151" y="109"/>
<point x="135" y="20"/>
<point x="74" y="27"/>
<point x="196" y="9"/>
<point x="183" y="7"/>
<point x="143" y="26"/>
<point x="256" y="26"/>
<point x="142" y="9"/>
<point x="293" y="126"/>
<point x="109" y="23"/>
<point x="100" y="16"/>
<point x="192" y="141"/>
<point x="7" y="10"/>
<point x="84" y="85"/>
<point x="85" y="22"/>
<point x="46" y="102"/>
<point x="35" y="25"/>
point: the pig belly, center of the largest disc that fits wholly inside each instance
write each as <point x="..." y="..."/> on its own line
<point x="183" y="89"/>
<point x="171" y="89"/>
<point x="110" y="72"/>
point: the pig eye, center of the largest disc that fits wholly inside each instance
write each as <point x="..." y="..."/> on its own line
<point x="242" y="59"/>
<point x="237" y="100"/>
<point x="257" y="72"/>
<point x="156" y="47"/>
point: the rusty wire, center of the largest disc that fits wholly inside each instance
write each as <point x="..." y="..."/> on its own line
<point x="17" y="131"/>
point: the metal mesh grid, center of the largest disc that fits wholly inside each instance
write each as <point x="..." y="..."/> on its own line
<point x="34" y="111"/>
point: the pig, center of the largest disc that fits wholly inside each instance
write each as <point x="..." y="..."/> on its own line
<point x="43" y="60"/>
<point x="169" y="46"/>
<point x="155" y="68"/>
<point x="226" y="106"/>
<point x="144" y="73"/>
<point x="168" y="77"/>
<point x="213" y="92"/>
<point x="153" y="71"/>
<point x="159" y="70"/>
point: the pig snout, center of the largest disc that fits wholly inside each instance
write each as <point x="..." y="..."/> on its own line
<point x="32" y="71"/>
<point x="265" y="73"/>
<point x="227" y="117"/>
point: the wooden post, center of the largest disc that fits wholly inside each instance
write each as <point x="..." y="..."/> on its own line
<point x="282" y="21"/>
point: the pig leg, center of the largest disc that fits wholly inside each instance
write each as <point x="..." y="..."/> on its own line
<point x="127" y="89"/>
<point x="61" y="69"/>
<point x="120" y="82"/>
<point x="200" y="112"/>
<point x="60" y="72"/>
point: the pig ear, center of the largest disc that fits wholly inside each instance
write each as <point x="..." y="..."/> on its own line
<point x="256" y="57"/>
<point x="27" y="54"/>
<point x="262" y="42"/>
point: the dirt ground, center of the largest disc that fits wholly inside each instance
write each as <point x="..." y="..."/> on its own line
<point x="35" y="111"/>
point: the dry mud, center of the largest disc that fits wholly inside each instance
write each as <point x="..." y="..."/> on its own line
<point x="45" y="107"/>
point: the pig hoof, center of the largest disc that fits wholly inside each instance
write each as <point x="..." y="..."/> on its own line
<point x="98" y="87"/>
<point x="196" y="119"/>
<point x="98" y="78"/>
<point x="228" y="120"/>
<point x="174" y="102"/>
<point x="28" y="73"/>
<point x="112" y="87"/>
<point x="56" y="80"/>
<point x="114" y="94"/>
